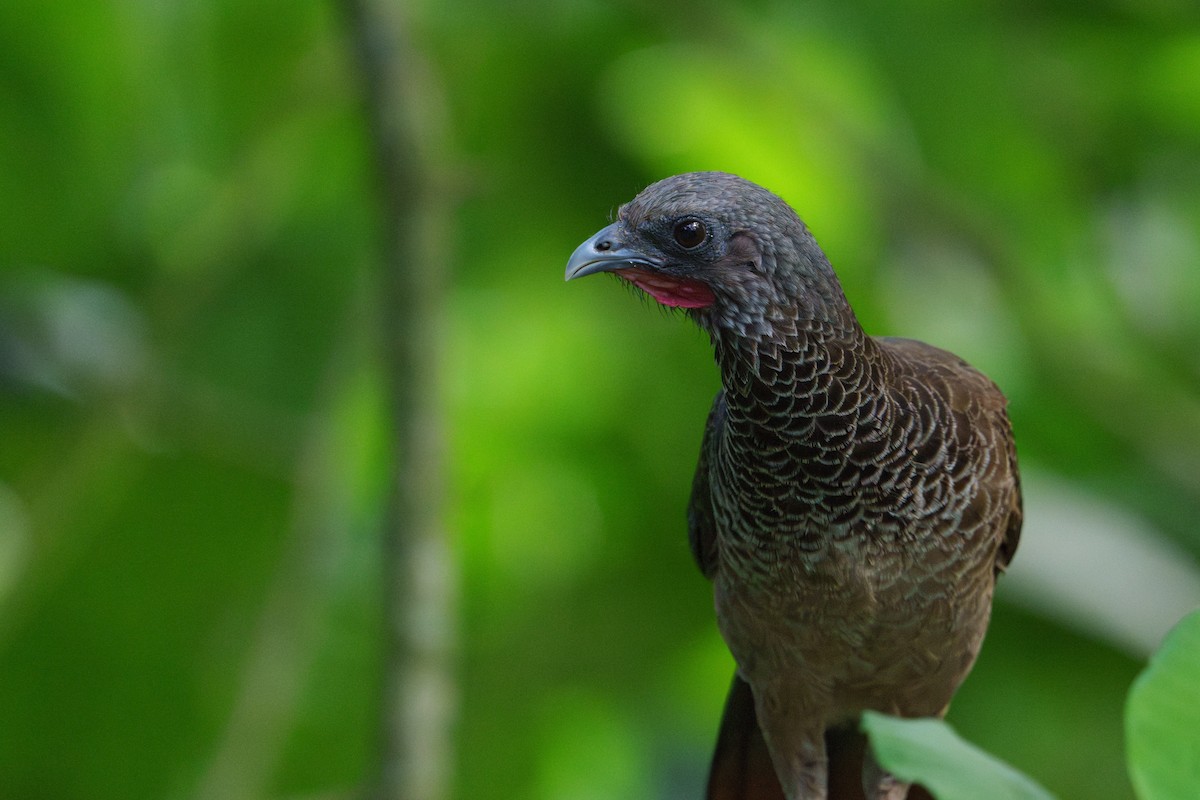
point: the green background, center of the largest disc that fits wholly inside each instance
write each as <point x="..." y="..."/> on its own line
<point x="192" y="466"/>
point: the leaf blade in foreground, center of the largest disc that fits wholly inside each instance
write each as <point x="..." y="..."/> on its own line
<point x="929" y="752"/>
<point x="1162" y="718"/>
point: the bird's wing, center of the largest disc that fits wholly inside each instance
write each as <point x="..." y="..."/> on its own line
<point x="702" y="531"/>
<point x="1016" y="515"/>
<point x="977" y="403"/>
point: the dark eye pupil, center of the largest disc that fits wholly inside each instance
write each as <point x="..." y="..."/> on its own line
<point x="690" y="233"/>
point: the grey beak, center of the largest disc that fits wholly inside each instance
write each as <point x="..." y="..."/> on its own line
<point x="605" y="253"/>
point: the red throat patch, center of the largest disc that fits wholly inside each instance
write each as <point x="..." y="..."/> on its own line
<point x="669" y="290"/>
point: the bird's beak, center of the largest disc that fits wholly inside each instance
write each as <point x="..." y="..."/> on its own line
<point x="604" y="252"/>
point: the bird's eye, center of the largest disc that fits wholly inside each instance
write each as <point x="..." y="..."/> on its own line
<point x="689" y="233"/>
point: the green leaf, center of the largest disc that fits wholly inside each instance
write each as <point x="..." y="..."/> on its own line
<point x="1162" y="718"/>
<point x="929" y="752"/>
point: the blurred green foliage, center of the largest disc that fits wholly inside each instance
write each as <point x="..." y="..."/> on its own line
<point x="191" y="413"/>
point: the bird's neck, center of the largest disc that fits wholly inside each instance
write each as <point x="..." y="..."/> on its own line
<point x="798" y="361"/>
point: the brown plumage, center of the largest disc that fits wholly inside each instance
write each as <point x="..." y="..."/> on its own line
<point x="855" y="497"/>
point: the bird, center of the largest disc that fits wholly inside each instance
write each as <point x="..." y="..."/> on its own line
<point x="855" y="500"/>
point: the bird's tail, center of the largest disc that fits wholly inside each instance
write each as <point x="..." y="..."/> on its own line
<point x="742" y="769"/>
<point x="741" y="766"/>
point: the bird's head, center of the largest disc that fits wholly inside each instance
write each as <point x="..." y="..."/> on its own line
<point x="732" y="253"/>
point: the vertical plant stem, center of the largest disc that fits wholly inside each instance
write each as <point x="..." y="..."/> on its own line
<point x="404" y="112"/>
